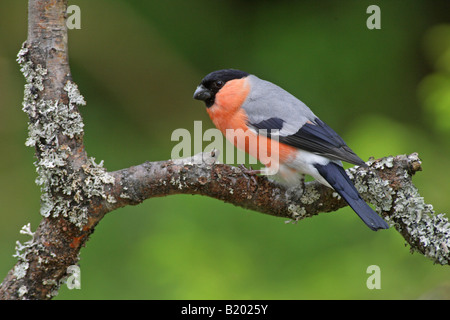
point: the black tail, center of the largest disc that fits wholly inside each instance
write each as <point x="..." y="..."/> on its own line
<point x="335" y="175"/>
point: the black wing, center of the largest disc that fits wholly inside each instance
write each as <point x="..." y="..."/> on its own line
<point x="316" y="137"/>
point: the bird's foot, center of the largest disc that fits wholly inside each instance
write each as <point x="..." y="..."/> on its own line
<point x="302" y="183"/>
<point x="249" y="173"/>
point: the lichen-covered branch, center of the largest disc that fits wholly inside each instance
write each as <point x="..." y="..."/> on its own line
<point x="72" y="184"/>
<point x="76" y="192"/>
<point x="387" y="184"/>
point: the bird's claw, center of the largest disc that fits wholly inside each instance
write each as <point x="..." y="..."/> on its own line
<point x="249" y="173"/>
<point x="302" y="183"/>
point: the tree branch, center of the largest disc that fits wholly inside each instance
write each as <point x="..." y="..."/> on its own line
<point x="77" y="192"/>
<point x="386" y="183"/>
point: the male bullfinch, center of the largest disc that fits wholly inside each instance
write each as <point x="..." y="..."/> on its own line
<point x="305" y="144"/>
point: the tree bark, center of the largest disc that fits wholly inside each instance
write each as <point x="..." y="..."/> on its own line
<point x="77" y="192"/>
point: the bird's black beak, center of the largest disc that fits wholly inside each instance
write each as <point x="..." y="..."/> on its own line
<point x="201" y="93"/>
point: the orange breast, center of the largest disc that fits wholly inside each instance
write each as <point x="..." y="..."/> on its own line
<point x="226" y="113"/>
<point x="228" y="116"/>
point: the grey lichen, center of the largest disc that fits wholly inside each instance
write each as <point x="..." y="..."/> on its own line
<point x="372" y="188"/>
<point x="96" y="178"/>
<point x="22" y="291"/>
<point x="22" y="252"/>
<point x="74" y="94"/>
<point x="55" y="285"/>
<point x="23" y="249"/>
<point x="427" y="231"/>
<point x="20" y="270"/>
<point x="297" y="212"/>
<point x="64" y="191"/>
<point x="423" y="225"/>
<point x="310" y="195"/>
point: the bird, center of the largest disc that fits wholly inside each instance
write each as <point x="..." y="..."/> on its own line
<point x="237" y="100"/>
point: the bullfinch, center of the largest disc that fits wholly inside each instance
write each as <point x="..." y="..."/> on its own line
<point x="305" y="144"/>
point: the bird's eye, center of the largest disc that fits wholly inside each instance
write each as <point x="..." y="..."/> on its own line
<point x="219" y="83"/>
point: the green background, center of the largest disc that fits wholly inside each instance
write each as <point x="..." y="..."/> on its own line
<point x="137" y="63"/>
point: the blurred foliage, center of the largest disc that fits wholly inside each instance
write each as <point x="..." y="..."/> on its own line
<point x="138" y="62"/>
<point x="434" y="90"/>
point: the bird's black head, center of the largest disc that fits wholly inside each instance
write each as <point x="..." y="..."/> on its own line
<point x="213" y="82"/>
